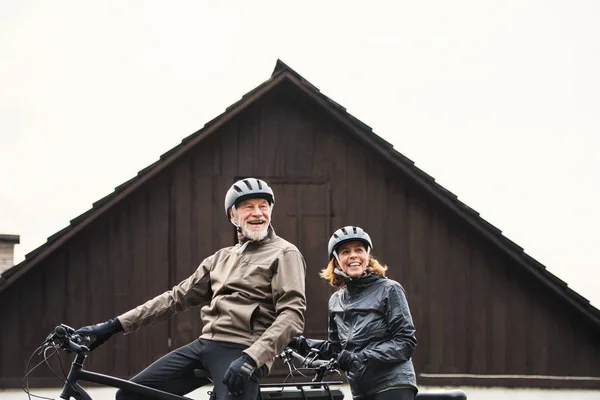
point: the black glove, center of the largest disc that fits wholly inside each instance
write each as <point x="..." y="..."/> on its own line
<point x="348" y="361"/>
<point x="299" y="344"/>
<point x="101" y="332"/>
<point x="240" y="371"/>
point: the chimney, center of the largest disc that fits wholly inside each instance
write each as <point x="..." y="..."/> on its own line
<point x="7" y="247"/>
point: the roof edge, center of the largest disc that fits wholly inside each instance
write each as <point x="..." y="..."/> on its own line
<point x="429" y="185"/>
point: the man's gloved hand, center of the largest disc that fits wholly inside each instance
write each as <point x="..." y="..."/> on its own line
<point x="300" y="344"/>
<point x="348" y="361"/>
<point x="101" y="332"/>
<point x="240" y="371"/>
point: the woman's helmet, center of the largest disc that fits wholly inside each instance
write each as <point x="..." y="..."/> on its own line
<point x="347" y="234"/>
<point x="248" y="188"/>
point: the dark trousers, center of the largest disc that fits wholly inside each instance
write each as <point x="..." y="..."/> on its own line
<point x="174" y="372"/>
<point x="392" y="394"/>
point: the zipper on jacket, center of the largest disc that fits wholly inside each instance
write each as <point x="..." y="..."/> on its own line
<point x="212" y="333"/>
<point x="351" y="328"/>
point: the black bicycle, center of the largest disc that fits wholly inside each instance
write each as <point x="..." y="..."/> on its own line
<point x="64" y="338"/>
<point x="324" y="368"/>
<point x="318" y="388"/>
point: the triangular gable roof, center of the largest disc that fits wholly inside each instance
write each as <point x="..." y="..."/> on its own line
<point x="283" y="73"/>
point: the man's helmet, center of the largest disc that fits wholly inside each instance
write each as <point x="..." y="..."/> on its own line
<point x="347" y="234"/>
<point x="249" y="188"/>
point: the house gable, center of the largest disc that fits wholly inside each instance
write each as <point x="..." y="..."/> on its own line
<point x="459" y="271"/>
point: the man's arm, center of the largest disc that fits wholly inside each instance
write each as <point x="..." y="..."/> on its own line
<point x="289" y="298"/>
<point x="192" y="292"/>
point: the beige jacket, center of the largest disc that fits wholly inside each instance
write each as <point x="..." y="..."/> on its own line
<point x="251" y="294"/>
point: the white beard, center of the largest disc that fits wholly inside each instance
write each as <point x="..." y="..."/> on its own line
<point x="251" y="234"/>
<point x="256" y="235"/>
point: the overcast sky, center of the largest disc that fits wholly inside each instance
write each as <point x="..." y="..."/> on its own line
<point x="498" y="100"/>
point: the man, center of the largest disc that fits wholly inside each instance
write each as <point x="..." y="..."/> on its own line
<point x="253" y="302"/>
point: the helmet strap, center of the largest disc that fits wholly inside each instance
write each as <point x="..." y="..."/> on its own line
<point x="237" y="227"/>
<point x="335" y="254"/>
<point x="339" y="272"/>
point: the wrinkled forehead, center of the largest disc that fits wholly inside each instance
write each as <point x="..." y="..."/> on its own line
<point x="351" y="245"/>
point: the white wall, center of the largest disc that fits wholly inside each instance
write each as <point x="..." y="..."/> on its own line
<point x="472" y="394"/>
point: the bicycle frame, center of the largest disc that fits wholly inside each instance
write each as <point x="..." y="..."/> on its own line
<point x="77" y="373"/>
<point x="61" y="337"/>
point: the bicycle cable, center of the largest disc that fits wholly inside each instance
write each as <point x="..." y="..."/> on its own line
<point x="43" y="350"/>
<point x="52" y="370"/>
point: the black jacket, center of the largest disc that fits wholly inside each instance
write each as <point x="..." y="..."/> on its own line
<point x="371" y="318"/>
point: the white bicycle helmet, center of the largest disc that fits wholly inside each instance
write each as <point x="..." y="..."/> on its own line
<point x="248" y="188"/>
<point x="347" y="234"/>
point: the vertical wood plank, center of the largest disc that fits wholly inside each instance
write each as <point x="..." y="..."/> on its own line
<point x="157" y="258"/>
<point x="183" y="265"/>
<point x="119" y="259"/>
<point x="498" y="313"/>
<point x="14" y="353"/>
<point x="477" y="313"/>
<point x="138" y="226"/>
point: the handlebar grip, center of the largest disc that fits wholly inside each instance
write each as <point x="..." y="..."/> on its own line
<point x="60" y="331"/>
<point x="298" y="357"/>
<point x="63" y="332"/>
<point x="73" y="346"/>
<point x="306" y="362"/>
<point x="317" y="363"/>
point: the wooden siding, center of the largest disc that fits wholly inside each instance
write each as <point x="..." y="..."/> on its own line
<point x="475" y="310"/>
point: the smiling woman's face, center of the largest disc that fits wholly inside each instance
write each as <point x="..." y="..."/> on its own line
<point x="353" y="258"/>
<point x="253" y="217"/>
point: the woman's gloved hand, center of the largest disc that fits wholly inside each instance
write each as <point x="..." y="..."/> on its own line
<point x="300" y="344"/>
<point x="101" y="332"/>
<point x="348" y="361"/>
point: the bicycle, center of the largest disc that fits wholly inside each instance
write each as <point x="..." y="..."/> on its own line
<point x="64" y="338"/>
<point x="322" y="368"/>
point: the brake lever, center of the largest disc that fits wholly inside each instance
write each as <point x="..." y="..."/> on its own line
<point x="49" y="339"/>
<point x="70" y="331"/>
<point x="310" y="358"/>
<point x="69" y="341"/>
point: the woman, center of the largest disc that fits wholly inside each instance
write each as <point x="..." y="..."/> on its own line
<point x="371" y="331"/>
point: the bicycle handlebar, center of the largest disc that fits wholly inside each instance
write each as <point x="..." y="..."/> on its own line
<point x="311" y="360"/>
<point x="65" y="337"/>
<point x="308" y="362"/>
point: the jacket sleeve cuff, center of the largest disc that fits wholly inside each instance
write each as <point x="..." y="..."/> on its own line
<point x="259" y="355"/>
<point x="125" y="324"/>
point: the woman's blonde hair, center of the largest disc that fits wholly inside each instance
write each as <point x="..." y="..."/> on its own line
<point x="338" y="281"/>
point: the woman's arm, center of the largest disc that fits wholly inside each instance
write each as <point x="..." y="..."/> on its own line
<point x="402" y="341"/>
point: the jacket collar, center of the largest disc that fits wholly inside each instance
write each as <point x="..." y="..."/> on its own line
<point x="361" y="283"/>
